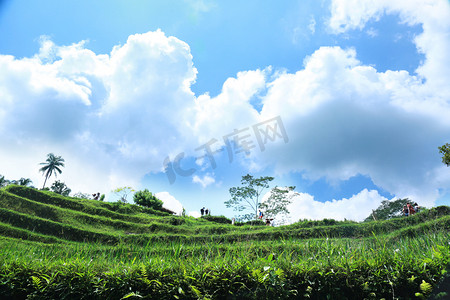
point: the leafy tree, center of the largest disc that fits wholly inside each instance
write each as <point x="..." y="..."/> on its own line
<point x="445" y="151"/>
<point x="51" y="166"/>
<point x="276" y="204"/>
<point x="102" y="197"/>
<point x="3" y="181"/>
<point x="247" y="196"/>
<point x="81" y="195"/>
<point x="123" y="193"/>
<point x="60" y="188"/>
<point x="388" y="209"/>
<point x="147" y="199"/>
<point x="23" y="181"/>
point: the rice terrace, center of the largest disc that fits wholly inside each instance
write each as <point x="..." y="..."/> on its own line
<point x="56" y="247"/>
<point x="229" y="150"/>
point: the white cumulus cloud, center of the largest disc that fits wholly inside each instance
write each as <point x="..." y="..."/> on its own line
<point x="115" y="117"/>
<point x="356" y="208"/>
<point x="345" y="118"/>
<point x="110" y="116"/>
<point x="170" y="202"/>
<point x="194" y="214"/>
<point x="205" y="181"/>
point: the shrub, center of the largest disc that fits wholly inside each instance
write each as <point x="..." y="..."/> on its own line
<point x="147" y="199"/>
<point x="217" y="219"/>
<point x="81" y="195"/>
<point x="252" y="223"/>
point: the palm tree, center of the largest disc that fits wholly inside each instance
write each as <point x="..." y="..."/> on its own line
<point x="60" y="188"/>
<point x="51" y="166"/>
<point x="23" y="181"/>
<point x="3" y="181"/>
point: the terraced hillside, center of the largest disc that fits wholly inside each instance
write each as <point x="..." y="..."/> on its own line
<point x="56" y="247"/>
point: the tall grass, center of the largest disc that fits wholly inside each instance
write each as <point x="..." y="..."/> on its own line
<point x="56" y="247"/>
<point x="317" y="267"/>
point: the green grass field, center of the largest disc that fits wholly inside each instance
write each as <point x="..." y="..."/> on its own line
<point x="55" y="247"/>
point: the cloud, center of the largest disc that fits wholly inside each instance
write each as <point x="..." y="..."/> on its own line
<point x="432" y="15"/>
<point x="200" y="6"/>
<point x="312" y="25"/>
<point x="356" y="208"/>
<point x="194" y="214"/>
<point x="372" y="32"/>
<point x="110" y="116"/>
<point x="205" y="181"/>
<point x="170" y="202"/>
<point x="232" y="108"/>
<point x="115" y="117"/>
<point x="344" y="118"/>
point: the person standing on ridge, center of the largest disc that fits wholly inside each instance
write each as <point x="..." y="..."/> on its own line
<point x="261" y="215"/>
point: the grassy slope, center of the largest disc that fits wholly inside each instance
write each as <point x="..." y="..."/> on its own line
<point x="121" y="234"/>
<point x="74" y="219"/>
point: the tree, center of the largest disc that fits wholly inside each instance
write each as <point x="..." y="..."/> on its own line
<point x="23" y="181"/>
<point x="51" y="166"/>
<point x="247" y="196"/>
<point x="147" y="199"/>
<point x="445" y="151"/>
<point x="81" y="195"/>
<point x="276" y="204"/>
<point x="60" y="188"/>
<point x="3" y="181"/>
<point x="388" y="210"/>
<point x="123" y="193"/>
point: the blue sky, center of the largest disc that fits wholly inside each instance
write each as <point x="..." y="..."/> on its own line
<point x="360" y="88"/>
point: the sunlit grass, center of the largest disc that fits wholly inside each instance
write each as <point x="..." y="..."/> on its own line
<point x="56" y="247"/>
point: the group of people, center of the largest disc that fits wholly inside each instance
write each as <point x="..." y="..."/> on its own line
<point x="205" y="211"/>
<point x="410" y="209"/>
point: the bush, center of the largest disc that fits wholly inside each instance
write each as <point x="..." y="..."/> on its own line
<point x="217" y="219"/>
<point x="147" y="199"/>
<point x="251" y="223"/>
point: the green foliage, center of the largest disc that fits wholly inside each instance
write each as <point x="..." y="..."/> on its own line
<point x="23" y="181"/>
<point x="81" y="195"/>
<point x="60" y="188"/>
<point x="251" y="223"/>
<point x="217" y="219"/>
<point x="147" y="199"/>
<point x="52" y="165"/>
<point x="388" y="210"/>
<point x="316" y="269"/>
<point x="247" y="196"/>
<point x="92" y="207"/>
<point x="3" y="181"/>
<point x="56" y="247"/>
<point x="53" y="228"/>
<point x="123" y="192"/>
<point x="276" y="204"/>
<point x="107" y="218"/>
<point x="445" y="151"/>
